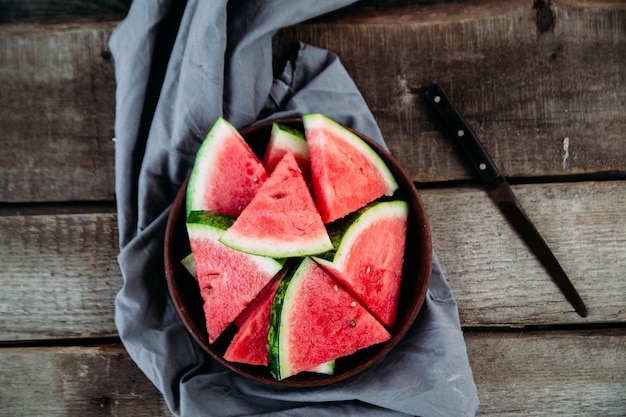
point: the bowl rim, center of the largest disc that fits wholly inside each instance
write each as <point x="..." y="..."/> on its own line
<point x="179" y="287"/>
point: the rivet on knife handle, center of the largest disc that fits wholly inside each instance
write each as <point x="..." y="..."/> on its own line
<point x="463" y="134"/>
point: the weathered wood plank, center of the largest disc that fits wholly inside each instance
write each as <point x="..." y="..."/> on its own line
<point x="523" y="90"/>
<point x="574" y="373"/>
<point x="19" y="9"/>
<point x="60" y="275"/>
<point x="75" y="381"/>
<point x="549" y="373"/>
<point x="58" y="106"/>
<point x="539" y="98"/>
<point x="497" y="280"/>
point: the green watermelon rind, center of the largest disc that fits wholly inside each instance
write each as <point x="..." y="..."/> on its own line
<point x="286" y="137"/>
<point x="207" y="224"/>
<point x="205" y="159"/>
<point x="203" y="231"/>
<point x="327" y="368"/>
<point x="281" y="305"/>
<point x="276" y="350"/>
<point x="211" y="225"/>
<point x="217" y="221"/>
<point x="279" y="127"/>
<point x="203" y="173"/>
<point x="311" y="241"/>
<point x="281" y="312"/>
<point x="189" y="262"/>
<point x="276" y="248"/>
<point x="344" y="232"/>
<point x="320" y="121"/>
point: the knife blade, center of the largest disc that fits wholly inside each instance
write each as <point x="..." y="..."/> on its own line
<point x="501" y="193"/>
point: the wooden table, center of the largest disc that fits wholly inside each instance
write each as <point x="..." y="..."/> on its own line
<point x="543" y="83"/>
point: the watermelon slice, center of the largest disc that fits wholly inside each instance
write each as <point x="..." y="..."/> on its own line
<point x="226" y="173"/>
<point x="346" y="172"/>
<point x="314" y="320"/>
<point x="369" y="256"/>
<point x="229" y="279"/>
<point x="281" y="220"/>
<point x="249" y="345"/>
<point x="282" y="139"/>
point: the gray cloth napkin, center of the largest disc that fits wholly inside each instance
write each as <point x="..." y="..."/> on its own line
<point x="179" y="65"/>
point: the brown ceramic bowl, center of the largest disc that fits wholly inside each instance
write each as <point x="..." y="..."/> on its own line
<point x="415" y="277"/>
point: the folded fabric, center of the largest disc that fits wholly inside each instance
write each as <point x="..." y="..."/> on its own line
<point x="180" y="65"/>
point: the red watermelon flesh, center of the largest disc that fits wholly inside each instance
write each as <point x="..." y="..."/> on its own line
<point x="346" y="172"/>
<point x="283" y="139"/>
<point x="370" y="255"/>
<point x="314" y="320"/>
<point x="229" y="279"/>
<point x="226" y="173"/>
<point x="282" y="220"/>
<point x="249" y="345"/>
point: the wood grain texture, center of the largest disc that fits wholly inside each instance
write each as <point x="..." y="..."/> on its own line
<point x="75" y="381"/>
<point x="58" y="106"/>
<point x="59" y="275"/>
<point x="539" y="100"/>
<point x="542" y="83"/>
<point x="20" y="9"/>
<point x="560" y="373"/>
<point x="574" y="373"/>
<point x="497" y="280"/>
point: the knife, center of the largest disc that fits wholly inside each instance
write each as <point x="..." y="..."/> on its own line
<point x="501" y="193"/>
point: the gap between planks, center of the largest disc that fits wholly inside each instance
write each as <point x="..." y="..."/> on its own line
<point x="542" y="373"/>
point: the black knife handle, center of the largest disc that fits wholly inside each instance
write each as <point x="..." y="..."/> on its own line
<point x="462" y="134"/>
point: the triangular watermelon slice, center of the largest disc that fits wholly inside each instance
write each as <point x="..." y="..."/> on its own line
<point x="369" y="256"/>
<point x="249" y="345"/>
<point x="346" y="172"/>
<point x="282" y="139"/>
<point x="281" y="221"/>
<point x="229" y="279"/>
<point x="314" y="320"/>
<point x="226" y="173"/>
